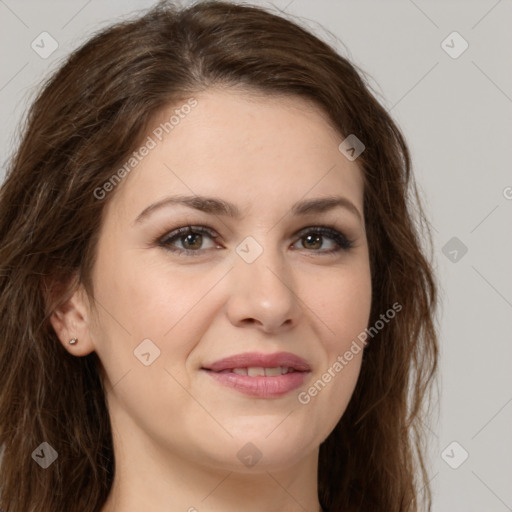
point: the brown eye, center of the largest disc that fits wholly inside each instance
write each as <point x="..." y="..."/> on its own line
<point x="312" y="241"/>
<point x="313" y="238"/>
<point x="191" y="239"/>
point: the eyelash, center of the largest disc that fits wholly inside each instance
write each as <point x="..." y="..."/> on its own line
<point x="343" y="243"/>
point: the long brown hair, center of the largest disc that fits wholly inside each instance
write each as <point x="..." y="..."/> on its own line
<point x="89" y="116"/>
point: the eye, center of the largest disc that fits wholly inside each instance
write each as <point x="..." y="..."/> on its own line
<point x="190" y="237"/>
<point x="190" y="240"/>
<point x="314" y="237"/>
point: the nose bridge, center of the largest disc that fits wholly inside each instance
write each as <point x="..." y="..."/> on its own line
<point x="262" y="261"/>
<point x="263" y="289"/>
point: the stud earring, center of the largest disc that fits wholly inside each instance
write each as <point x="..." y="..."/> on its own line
<point x="73" y="341"/>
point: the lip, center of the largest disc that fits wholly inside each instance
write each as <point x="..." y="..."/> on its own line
<point x="249" y="359"/>
<point x="261" y="386"/>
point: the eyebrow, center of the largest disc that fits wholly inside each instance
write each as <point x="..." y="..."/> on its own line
<point x="217" y="206"/>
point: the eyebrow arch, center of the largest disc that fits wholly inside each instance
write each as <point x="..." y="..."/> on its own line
<point x="218" y="206"/>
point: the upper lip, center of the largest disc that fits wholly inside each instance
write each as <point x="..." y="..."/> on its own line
<point x="256" y="359"/>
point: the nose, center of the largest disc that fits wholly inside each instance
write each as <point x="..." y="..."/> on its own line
<point x="263" y="293"/>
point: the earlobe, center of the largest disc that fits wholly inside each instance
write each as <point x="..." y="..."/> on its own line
<point x="71" y="322"/>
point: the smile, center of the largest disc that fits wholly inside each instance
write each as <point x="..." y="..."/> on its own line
<point x="260" y="375"/>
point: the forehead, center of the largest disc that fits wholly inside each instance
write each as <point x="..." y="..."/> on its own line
<point x="242" y="146"/>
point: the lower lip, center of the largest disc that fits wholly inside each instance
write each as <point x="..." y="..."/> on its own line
<point x="262" y="387"/>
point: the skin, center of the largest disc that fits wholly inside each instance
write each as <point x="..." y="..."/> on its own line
<point x="176" y="431"/>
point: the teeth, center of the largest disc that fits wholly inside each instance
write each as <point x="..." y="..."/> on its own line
<point x="273" y="372"/>
<point x="258" y="371"/>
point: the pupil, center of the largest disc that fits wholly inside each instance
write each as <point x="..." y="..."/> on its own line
<point x="316" y="240"/>
<point x="191" y="245"/>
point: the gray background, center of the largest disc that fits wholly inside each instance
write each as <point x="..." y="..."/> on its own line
<point x="456" y="116"/>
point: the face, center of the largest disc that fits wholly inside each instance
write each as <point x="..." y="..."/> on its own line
<point x="264" y="277"/>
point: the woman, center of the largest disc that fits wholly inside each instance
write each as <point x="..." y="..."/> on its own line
<point x="214" y="295"/>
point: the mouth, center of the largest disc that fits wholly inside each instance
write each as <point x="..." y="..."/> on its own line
<point x="278" y="363"/>
<point x="260" y="375"/>
<point x="259" y="371"/>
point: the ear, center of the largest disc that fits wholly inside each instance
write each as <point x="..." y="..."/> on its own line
<point x="73" y="319"/>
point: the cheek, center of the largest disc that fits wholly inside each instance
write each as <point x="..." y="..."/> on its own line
<point x="145" y="295"/>
<point x="342" y="303"/>
<point x="343" y="310"/>
<point x="163" y="299"/>
<point x="149" y="298"/>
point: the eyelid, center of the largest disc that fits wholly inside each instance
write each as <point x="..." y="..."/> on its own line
<point x="330" y="231"/>
<point x="343" y="242"/>
<point x="182" y="231"/>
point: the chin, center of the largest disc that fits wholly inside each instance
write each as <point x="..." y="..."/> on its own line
<point x="260" y="448"/>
